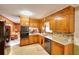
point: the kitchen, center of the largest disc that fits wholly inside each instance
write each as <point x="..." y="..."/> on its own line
<point x="61" y="37"/>
<point x="51" y="35"/>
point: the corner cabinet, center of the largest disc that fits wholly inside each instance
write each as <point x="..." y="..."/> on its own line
<point x="63" y="20"/>
<point x="36" y="39"/>
<point x="59" y="49"/>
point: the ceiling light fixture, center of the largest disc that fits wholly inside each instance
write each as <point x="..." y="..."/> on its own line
<point x="26" y="13"/>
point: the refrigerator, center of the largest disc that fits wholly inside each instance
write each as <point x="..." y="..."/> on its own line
<point x="2" y="37"/>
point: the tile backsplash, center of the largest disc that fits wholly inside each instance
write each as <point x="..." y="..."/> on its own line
<point x="33" y="30"/>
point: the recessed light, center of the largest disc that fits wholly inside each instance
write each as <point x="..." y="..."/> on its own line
<point x="26" y="13"/>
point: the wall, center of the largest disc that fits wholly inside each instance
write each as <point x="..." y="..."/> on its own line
<point x="17" y="27"/>
<point x="76" y="34"/>
<point x="9" y="23"/>
<point x="13" y="18"/>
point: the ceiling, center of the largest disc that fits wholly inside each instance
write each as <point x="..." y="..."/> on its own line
<point x="12" y="11"/>
<point x="39" y="10"/>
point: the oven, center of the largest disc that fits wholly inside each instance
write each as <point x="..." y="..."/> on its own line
<point x="24" y="33"/>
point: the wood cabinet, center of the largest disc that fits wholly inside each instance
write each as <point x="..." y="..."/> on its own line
<point x="33" y="39"/>
<point x="56" y="49"/>
<point x="52" y="23"/>
<point x="69" y="49"/>
<point x="59" y="49"/>
<point x="24" y="21"/>
<point x="24" y="42"/>
<point x="34" y="23"/>
<point x="41" y="41"/>
<point x="63" y="20"/>
<point x="41" y="25"/>
<point x="36" y="39"/>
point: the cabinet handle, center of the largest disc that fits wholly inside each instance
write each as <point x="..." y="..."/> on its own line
<point x="42" y="42"/>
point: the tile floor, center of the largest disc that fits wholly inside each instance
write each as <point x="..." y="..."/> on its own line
<point x="34" y="49"/>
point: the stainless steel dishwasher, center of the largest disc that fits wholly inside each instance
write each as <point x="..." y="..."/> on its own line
<point x="47" y="45"/>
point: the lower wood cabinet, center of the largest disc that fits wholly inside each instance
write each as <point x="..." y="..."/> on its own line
<point x="69" y="49"/>
<point x="33" y="39"/>
<point x="59" y="49"/>
<point x="56" y="48"/>
<point x="24" y="41"/>
<point x="41" y="41"/>
<point x="36" y="39"/>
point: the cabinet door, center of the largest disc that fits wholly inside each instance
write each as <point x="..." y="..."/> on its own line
<point x="31" y="41"/>
<point x="24" y="21"/>
<point x="33" y="23"/>
<point x="52" y="23"/>
<point x="35" y="38"/>
<point x="63" y="20"/>
<point x="41" y="41"/>
<point x="56" y="48"/>
<point x="61" y="24"/>
<point x="69" y="49"/>
<point x="24" y="42"/>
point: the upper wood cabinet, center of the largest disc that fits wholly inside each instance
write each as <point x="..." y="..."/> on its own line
<point x="34" y="23"/>
<point x="63" y="20"/>
<point x="41" y="25"/>
<point x="24" y="21"/>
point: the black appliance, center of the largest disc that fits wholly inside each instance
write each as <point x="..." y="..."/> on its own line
<point x="48" y="45"/>
<point x="24" y="33"/>
<point x="2" y="37"/>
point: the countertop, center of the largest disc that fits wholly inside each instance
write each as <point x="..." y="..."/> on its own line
<point x="64" y="40"/>
<point x="34" y="33"/>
